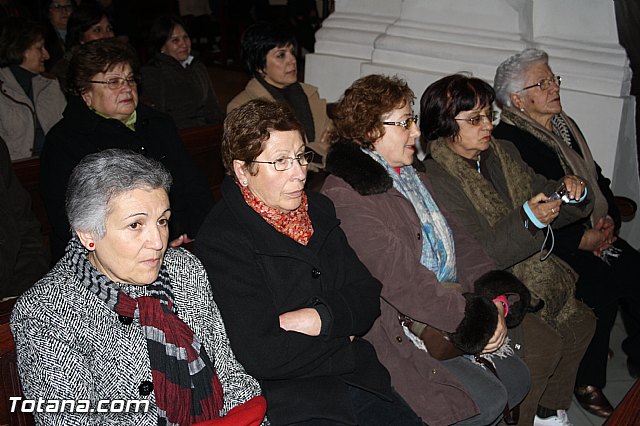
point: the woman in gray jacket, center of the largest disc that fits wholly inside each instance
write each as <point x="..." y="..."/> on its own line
<point x="121" y="319"/>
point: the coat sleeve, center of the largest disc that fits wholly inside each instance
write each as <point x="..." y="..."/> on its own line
<point x="51" y="365"/>
<point x="410" y="287"/>
<point x="251" y="315"/>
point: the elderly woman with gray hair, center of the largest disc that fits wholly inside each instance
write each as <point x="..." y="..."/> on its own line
<point x="552" y="144"/>
<point x="121" y="318"/>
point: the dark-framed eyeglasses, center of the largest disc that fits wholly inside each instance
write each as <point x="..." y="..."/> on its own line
<point x="61" y="7"/>
<point x="480" y="118"/>
<point x="545" y="83"/>
<point x="116" y="83"/>
<point x="406" y="123"/>
<point x="285" y="163"/>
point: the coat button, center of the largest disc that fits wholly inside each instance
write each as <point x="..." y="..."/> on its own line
<point x="433" y="371"/>
<point x="125" y="320"/>
<point x="399" y="339"/>
<point x="419" y="235"/>
<point x="145" y="388"/>
<point x="315" y="273"/>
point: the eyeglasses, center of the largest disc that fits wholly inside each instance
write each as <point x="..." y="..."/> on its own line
<point x="480" y="118"/>
<point x="61" y="7"/>
<point x="406" y="123"/>
<point x="285" y="163"/>
<point x="545" y="84"/>
<point x="117" y="82"/>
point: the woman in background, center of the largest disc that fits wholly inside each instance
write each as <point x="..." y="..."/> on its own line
<point x="269" y="54"/>
<point x="88" y="22"/>
<point x="175" y="81"/>
<point x="30" y="104"/>
<point x="57" y="14"/>
<point x="103" y="112"/>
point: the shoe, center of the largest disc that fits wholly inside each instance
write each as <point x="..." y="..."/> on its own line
<point x="562" y="419"/>
<point x="634" y="368"/>
<point x="593" y="400"/>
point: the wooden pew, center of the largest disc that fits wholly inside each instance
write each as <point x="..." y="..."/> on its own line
<point x="627" y="413"/>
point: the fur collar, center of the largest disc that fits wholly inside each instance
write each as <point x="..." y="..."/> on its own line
<point x="347" y="161"/>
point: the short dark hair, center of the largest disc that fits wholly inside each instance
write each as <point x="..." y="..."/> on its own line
<point x="95" y="57"/>
<point x="161" y="30"/>
<point x="358" y="114"/>
<point x="445" y="98"/>
<point x="247" y="127"/>
<point x="16" y="37"/>
<point x="259" y="39"/>
<point x="81" y="20"/>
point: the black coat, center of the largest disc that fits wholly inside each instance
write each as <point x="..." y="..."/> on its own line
<point x="258" y="273"/>
<point x="82" y="132"/>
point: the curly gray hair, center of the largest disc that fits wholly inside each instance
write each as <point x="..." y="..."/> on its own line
<point x="101" y="176"/>
<point x="511" y="73"/>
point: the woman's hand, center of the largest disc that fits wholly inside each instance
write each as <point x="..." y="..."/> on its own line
<point x="592" y="240"/>
<point x="306" y="321"/>
<point x="545" y="211"/>
<point x="575" y="186"/>
<point x="182" y="239"/>
<point x="500" y="334"/>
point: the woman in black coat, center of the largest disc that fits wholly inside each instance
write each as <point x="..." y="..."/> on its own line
<point x="103" y="112"/>
<point x="294" y="295"/>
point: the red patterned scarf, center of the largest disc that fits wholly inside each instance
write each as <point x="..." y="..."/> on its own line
<point x="295" y="225"/>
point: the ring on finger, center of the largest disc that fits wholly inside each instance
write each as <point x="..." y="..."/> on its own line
<point x="553" y="210"/>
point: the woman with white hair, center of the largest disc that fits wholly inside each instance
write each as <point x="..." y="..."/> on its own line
<point x="122" y="318"/>
<point x="553" y="145"/>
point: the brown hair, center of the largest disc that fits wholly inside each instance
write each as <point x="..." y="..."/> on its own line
<point x="16" y="37"/>
<point x="247" y="127"/>
<point x="359" y="113"/>
<point x="95" y="57"/>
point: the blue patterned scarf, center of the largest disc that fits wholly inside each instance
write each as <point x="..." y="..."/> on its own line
<point x="438" y="249"/>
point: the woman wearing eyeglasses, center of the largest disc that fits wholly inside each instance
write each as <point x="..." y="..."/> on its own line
<point x="103" y="112"/>
<point x="501" y="202"/>
<point x="423" y="260"/>
<point x="552" y="144"/>
<point x="295" y="297"/>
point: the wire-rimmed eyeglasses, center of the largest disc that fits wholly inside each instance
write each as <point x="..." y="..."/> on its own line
<point x="480" y="118"/>
<point x="406" y="123"/>
<point x="544" y="84"/>
<point x="285" y="163"/>
<point x="116" y="83"/>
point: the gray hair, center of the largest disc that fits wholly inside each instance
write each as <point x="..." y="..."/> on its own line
<point x="101" y="176"/>
<point x="510" y="74"/>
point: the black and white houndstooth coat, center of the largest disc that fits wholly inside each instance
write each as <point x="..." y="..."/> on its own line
<point x="70" y="345"/>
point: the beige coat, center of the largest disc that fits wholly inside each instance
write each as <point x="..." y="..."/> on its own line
<point x="17" y="123"/>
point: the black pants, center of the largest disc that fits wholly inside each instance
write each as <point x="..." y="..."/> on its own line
<point x="603" y="287"/>
<point x="371" y="410"/>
